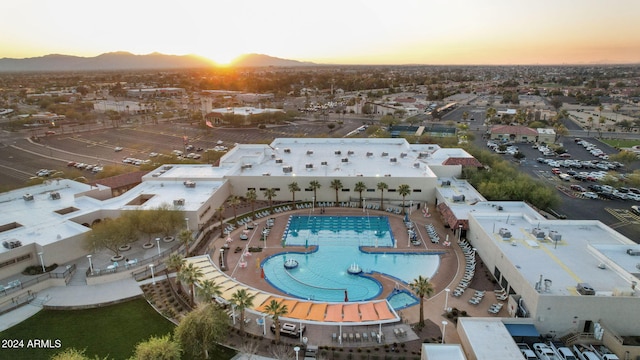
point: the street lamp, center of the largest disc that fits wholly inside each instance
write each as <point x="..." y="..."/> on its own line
<point x="153" y="278"/>
<point x="444" y="329"/>
<point x="41" y="261"/>
<point x="446" y="299"/>
<point x="158" y="242"/>
<point x="459" y="232"/>
<point x="313" y="203"/>
<point x="410" y="206"/>
<point x="186" y="223"/>
<point x="296" y="349"/>
<point x="364" y="204"/>
<point x="90" y="263"/>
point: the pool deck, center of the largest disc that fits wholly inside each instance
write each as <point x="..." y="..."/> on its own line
<point x="449" y="272"/>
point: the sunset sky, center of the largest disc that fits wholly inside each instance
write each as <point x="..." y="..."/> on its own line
<point x="331" y="31"/>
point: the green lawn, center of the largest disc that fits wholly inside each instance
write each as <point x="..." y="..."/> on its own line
<point x="111" y="331"/>
<point x="621" y="143"/>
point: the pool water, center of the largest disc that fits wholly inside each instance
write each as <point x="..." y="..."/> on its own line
<point x="402" y="299"/>
<point x="322" y="275"/>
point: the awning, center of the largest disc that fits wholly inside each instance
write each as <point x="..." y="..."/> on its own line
<point x="522" y="330"/>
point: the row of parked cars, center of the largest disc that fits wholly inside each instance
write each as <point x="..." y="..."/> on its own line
<point x="558" y="351"/>
<point x="594" y="150"/>
<point x="581" y="164"/>
<point x="94" y="168"/>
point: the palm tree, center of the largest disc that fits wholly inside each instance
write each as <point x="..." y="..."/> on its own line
<point x="336" y="184"/>
<point x="190" y="275"/>
<point x="293" y="187"/>
<point x="275" y="310"/>
<point x="382" y="186"/>
<point x="404" y="190"/>
<point x="185" y="238"/>
<point x="270" y="193"/>
<point x="234" y="201"/>
<point x="251" y="197"/>
<point x="209" y="289"/>
<point x="360" y="187"/>
<point x="590" y="121"/>
<point x="175" y="262"/>
<point x="491" y="112"/>
<point x="314" y="185"/>
<point x="422" y="287"/>
<point x="242" y="300"/>
<point x="220" y="211"/>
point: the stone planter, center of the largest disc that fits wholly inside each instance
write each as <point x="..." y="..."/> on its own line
<point x="168" y="239"/>
<point x="117" y="258"/>
<point x="124" y="247"/>
<point x="147" y="246"/>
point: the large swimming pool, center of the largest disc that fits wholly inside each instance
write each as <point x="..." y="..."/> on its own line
<point x="323" y="275"/>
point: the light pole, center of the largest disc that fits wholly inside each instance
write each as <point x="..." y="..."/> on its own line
<point x="90" y="263"/>
<point x="364" y="204"/>
<point x="444" y="329"/>
<point x="410" y="206"/>
<point x="186" y="223"/>
<point x="459" y="232"/>
<point x="313" y="203"/>
<point x="296" y="349"/>
<point x="446" y="299"/>
<point x="41" y="261"/>
<point x="158" y="242"/>
<point x="153" y="278"/>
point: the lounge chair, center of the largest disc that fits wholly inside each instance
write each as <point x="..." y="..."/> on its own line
<point x="365" y="336"/>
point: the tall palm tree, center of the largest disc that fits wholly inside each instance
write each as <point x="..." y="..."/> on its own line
<point x="175" y="262"/>
<point x="360" y="187"/>
<point x="314" y="185"/>
<point x="242" y="300"/>
<point x="251" y="197"/>
<point x="220" y="211"/>
<point x="422" y="287"/>
<point x="234" y="201"/>
<point x="590" y="121"/>
<point x="270" y="193"/>
<point x="190" y="275"/>
<point x="185" y="237"/>
<point x="275" y="310"/>
<point x="209" y="289"/>
<point x="382" y="186"/>
<point x="293" y="187"/>
<point x="404" y="190"/>
<point x="336" y="184"/>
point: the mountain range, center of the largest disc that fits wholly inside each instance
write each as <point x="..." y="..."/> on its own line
<point x="118" y="61"/>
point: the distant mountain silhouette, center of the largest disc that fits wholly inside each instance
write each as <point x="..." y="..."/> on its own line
<point x="127" y="61"/>
<point x="261" y="60"/>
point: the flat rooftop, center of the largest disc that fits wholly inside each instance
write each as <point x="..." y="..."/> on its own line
<point x="339" y="157"/>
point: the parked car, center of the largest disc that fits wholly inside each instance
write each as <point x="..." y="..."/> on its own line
<point x="635" y="209"/>
<point x="590" y="195"/>
<point x="578" y="188"/>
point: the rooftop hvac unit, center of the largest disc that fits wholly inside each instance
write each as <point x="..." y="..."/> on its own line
<point x="359" y="175"/>
<point x="247" y="166"/>
<point x="385" y="154"/>
<point x="416" y="165"/>
<point x="278" y="161"/>
<point x="27" y="197"/>
<point x="403" y="155"/>
<point x="309" y="152"/>
<point x="350" y="152"/>
<point x="344" y="160"/>
<point x="338" y="152"/>
<point x="387" y="175"/>
<point x="323" y="163"/>
<point x="632" y="252"/>
<point x="309" y="166"/>
<point x="538" y="233"/>
<point x="369" y="153"/>
<point x="287" y="169"/>
<point x="554" y="236"/>
<point x="178" y="202"/>
<point x="287" y="151"/>
<point x="585" y="289"/>
<point x="505" y="233"/>
<point x="423" y="155"/>
<point x="393" y="160"/>
<point x="446" y="183"/>
<point x="458" y="198"/>
<point x="273" y="156"/>
<point x="54" y="195"/>
<point x="189" y="184"/>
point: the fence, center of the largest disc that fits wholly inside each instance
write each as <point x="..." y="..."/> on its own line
<point x="156" y="259"/>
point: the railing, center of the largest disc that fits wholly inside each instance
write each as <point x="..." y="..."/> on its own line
<point x="20" y="285"/>
<point x="18" y="301"/>
<point x="152" y="260"/>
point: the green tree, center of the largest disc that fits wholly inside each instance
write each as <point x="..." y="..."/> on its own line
<point x="270" y="193"/>
<point x="360" y="187"/>
<point x="465" y="116"/>
<point x="220" y="209"/>
<point x="404" y="190"/>
<point x="73" y="354"/>
<point x="209" y="289"/>
<point x="175" y="262"/>
<point x="382" y="186"/>
<point x="190" y="274"/>
<point x="242" y="299"/>
<point x="200" y="331"/>
<point x="110" y="234"/>
<point x="422" y="287"/>
<point x="490" y="114"/>
<point x="251" y="197"/>
<point x="336" y="184"/>
<point x="293" y="188"/>
<point x="275" y="310"/>
<point x="234" y="201"/>
<point x="157" y="348"/>
<point x="624" y="156"/>
<point x="314" y="185"/>
<point x="185" y="238"/>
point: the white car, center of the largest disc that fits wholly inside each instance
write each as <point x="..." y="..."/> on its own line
<point x="153" y="154"/>
<point x="118" y="148"/>
<point x="590" y="195"/>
